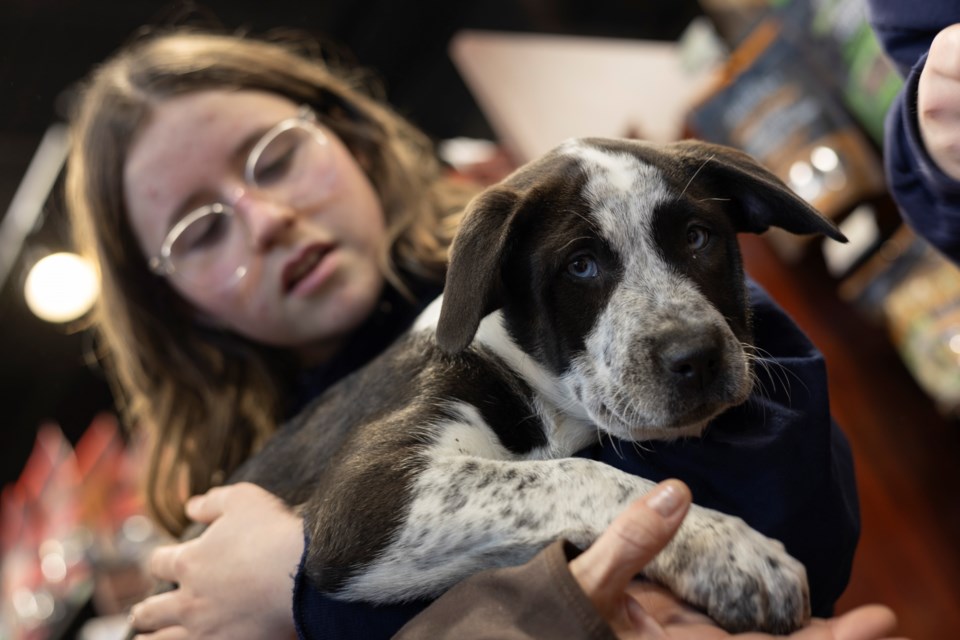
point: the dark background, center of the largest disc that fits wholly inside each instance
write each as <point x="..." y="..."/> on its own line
<point x="47" y="45"/>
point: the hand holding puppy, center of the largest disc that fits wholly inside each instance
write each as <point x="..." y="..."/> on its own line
<point x="644" y="611"/>
<point x="235" y="579"/>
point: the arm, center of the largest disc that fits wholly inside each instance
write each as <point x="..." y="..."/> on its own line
<point x="252" y="598"/>
<point x="593" y="596"/>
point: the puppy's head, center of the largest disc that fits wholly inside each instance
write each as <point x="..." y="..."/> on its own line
<point x="617" y="267"/>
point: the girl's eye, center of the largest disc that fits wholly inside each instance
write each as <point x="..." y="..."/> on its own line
<point x="276" y="161"/>
<point x="697" y="238"/>
<point x="273" y="171"/>
<point x="583" y="266"/>
<point x="203" y="233"/>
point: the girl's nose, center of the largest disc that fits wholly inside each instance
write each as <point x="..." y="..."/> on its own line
<point x="266" y="219"/>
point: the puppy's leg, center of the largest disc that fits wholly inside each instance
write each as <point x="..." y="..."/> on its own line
<point x="470" y="514"/>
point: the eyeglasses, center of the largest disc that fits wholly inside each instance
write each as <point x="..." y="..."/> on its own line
<point x="210" y="246"/>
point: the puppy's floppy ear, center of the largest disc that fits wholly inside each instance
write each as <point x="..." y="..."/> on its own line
<point x="472" y="288"/>
<point x="764" y="200"/>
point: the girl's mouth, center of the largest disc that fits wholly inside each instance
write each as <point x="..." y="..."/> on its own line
<point x="303" y="264"/>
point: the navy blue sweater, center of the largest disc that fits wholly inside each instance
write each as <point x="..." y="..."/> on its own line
<point x="778" y="461"/>
<point x="929" y="200"/>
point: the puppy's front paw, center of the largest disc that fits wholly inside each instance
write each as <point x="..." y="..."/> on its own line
<point x="742" y="579"/>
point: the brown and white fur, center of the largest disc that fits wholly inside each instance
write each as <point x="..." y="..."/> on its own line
<point x="598" y="290"/>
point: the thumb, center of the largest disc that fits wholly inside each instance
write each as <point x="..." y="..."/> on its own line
<point x="630" y="543"/>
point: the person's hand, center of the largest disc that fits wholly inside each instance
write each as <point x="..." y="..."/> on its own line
<point x="938" y="101"/>
<point x="236" y="579"/>
<point x="639" y="610"/>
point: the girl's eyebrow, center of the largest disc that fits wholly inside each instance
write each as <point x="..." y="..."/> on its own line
<point x="238" y="156"/>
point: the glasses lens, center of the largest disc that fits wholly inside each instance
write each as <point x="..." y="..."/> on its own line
<point x="290" y="163"/>
<point x="207" y="247"/>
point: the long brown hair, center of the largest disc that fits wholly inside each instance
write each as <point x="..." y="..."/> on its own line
<point x="210" y="398"/>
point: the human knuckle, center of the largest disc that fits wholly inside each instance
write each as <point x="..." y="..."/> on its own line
<point x="181" y="563"/>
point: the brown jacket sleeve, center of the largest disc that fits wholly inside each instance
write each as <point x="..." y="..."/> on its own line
<point x="540" y="599"/>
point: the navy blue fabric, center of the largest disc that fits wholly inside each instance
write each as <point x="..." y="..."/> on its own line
<point x="394" y="314"/>
<point x="928" y="199"/>
<point x="778" y="461"/>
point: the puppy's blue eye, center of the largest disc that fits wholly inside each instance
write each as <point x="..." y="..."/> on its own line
<point x="697" y="237"/>
<point x="583" y="265"/>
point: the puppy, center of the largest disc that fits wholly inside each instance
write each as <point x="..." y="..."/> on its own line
<point x="597" y="290"/>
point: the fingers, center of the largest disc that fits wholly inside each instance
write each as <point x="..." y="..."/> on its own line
<point x="168" y="633"/>
<point x="164" y="563"/>
<point x="944" y="54"/>
<point x="631" y="542"/>
<point x="864" y="623"/>
<point x="207" y="507"/>
<point x="162" y="611"/>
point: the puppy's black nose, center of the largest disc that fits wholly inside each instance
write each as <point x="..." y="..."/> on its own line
<point x="692" y="363"/>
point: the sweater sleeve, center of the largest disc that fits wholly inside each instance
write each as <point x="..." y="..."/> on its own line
<point x="317" y="616"/>
<point x="905" y="32"/>
<point x="540" y="599"/>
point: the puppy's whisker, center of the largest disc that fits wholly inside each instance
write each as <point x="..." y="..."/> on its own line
<point x="773" y="375"/>
<point x="694" y="176"/>
<point x="775" y="370"/>
<point x="642" y="447"/>
<point x="616" y="444"/>
<point x="572" y="241"/>
<point x="590" y="223"/>
<point x="771" y="365"/>
<point x="634" y="413"/>
<point x="761" y="393"/>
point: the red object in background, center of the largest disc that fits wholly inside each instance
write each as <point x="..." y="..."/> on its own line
<point x="107" y="470"/>
<point x="66" y="521"/>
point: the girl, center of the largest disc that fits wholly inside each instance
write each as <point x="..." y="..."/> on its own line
<point x="263" y="227"/>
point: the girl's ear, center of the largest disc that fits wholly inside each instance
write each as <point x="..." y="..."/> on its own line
<point x="761" y="199"/>
<point x="472" y="288"/>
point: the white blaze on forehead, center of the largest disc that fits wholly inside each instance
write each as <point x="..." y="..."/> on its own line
<point x="622" y="193"/>
<point x="619" y="170"/>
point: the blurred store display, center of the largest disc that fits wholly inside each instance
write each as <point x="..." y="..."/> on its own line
<point x="915" y="292"/>
<point x="805" y="89"/>
<point x="73" y="534"/>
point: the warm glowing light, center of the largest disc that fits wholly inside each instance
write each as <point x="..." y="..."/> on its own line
<point x="825" y="159"/>
<point x="955" y="343"/>
<point x="61" y="287"/>
<point x="54" y="568"/>
<point x="801" y="174"/>
<point x="137" y="528"/>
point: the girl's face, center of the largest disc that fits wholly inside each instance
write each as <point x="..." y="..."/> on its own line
<point x="309" y="253"/>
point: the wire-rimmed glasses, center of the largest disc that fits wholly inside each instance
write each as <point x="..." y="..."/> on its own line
<point x="209" y="247"/>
